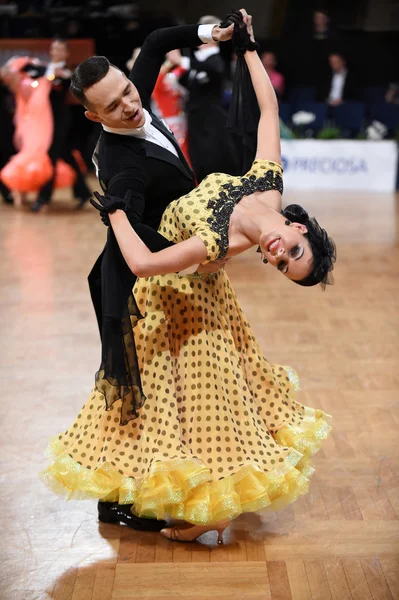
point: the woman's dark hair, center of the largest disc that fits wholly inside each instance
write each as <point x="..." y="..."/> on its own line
<point x="322" y="247"/>
<point x="86" y="74"/>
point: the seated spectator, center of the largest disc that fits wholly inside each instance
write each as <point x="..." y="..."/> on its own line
<point x="392" y="94"/>
<point x="269" y="61"/>
<point x="341" y="85"/>
<point x="322" y="29"/>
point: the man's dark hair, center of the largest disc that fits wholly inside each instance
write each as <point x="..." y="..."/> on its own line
<point x="86" y="74"/>
<point x="338" y="53"/>
<point x="323" y="10"/>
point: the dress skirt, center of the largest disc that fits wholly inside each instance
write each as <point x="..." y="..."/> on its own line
<point x="221" y="431"/>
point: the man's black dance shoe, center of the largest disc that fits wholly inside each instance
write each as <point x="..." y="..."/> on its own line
<point x="112" y="512"/>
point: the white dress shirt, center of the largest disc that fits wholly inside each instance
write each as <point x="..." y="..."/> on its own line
<point x="337" y="85"/>
<point x="201" y="55"/>
<point x="146" y="132"/>
<point x="52" y="66"/>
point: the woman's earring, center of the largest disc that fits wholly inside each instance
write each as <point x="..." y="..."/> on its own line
<point x="264" y="260"/>
<point x="287" y="222"/>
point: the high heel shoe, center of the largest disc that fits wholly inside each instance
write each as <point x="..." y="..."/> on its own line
<point x="191" y="534"/>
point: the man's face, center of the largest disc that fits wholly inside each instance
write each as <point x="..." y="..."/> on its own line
<point x="268" y="60"/>
<point x="114" y="101"/>
<point x="337" y="63"/>
<point x="320" y="19"/>
<point x="58" y="51"/>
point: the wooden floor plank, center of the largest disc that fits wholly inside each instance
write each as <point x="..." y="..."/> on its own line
<point x="146" y="547"/>
<point x="163" y="550"/>
<point x="255" y="549"/>
<point x="224" y="580"/>
<point x="279" y="582"/>
<point x="65" y="585"/>
<point x="376" y="579"/>
<point x="238" y="551"/>
<point x="349" y="504"/>
<point x="104" y="582"/>
<point x="317" y="579"/>
<point x="337" y="580"/>
<point x="316" y="504"/>
<point x="382" y="503"/>
<point x="357" y="580"/>
<point x="128" y="545"/>
<point x="84" y="583"/>
<point x="298" y="579"/>
<point x="390" y="568"/>
<point x="332" y="503"/>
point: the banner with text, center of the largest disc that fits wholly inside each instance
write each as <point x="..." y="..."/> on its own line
<point x="347" y="165"/>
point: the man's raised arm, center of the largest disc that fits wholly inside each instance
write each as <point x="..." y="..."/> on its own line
<point x="146" y="68"/>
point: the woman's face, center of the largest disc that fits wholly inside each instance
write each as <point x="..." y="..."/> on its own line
<point x="288" y="250"/>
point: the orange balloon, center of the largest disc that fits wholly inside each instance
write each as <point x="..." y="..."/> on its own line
<point x="65" y="176"/>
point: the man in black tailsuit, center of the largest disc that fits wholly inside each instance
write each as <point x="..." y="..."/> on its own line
<point x="211" y="147"/>
<point x="136" y="153"/>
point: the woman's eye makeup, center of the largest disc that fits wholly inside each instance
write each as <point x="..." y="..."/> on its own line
<point x="296" y="252"/>
<point x="281" y="266"/>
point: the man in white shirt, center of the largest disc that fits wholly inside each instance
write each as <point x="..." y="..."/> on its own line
<point x="340" y="72"/>
<point x="342" y="85"/>
<point x="211" y="148"/>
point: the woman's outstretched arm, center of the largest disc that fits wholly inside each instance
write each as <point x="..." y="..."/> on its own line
<point x="144" y="263"/>
<point x="268" y="146"/>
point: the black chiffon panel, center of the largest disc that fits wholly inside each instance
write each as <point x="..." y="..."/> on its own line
<point x="111" y="285"/>
<point x="244" y="114"/>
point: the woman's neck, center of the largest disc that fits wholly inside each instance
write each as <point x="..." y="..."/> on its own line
<point x="252" y="216"/>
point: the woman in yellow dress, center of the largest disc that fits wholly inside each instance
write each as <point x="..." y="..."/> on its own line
<point x="219" y="431"/>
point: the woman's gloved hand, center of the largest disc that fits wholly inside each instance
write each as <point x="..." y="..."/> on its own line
<point x="243" y="36"/>
<point x="107" y="204"/>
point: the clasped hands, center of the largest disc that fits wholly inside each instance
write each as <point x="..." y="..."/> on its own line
<point x="239" y="23"/>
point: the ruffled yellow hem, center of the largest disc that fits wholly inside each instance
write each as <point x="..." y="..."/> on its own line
<point x="183" y="488"/>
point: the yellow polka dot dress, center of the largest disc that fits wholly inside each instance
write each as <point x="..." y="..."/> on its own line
<point x="221" y="431"/>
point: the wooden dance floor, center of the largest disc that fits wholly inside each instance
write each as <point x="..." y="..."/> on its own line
<point x="340" y="542"/>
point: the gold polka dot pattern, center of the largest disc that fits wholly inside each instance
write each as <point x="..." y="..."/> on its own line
<point x="198" y="213"/>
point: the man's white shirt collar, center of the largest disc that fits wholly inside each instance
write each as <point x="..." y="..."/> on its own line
<point x="52" y="66"/>
<point x="204" y="53"/>
<point x="135" y="132"/>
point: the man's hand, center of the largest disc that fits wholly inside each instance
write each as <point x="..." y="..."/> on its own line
<point x="222" y="35"/>
<point x="213" y="267"/>
<point x="248" y="22"/>
<point x="174" y="57"/>
<point x="243" y="32"/>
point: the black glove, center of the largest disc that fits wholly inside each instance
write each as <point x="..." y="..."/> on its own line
<point x="241" y="38"/>
<point x="108" y="204"/>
